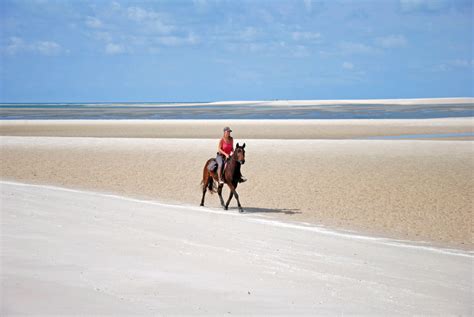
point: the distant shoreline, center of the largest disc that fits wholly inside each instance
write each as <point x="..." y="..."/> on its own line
<point x="277" y="102"/>
<point x="248" y="110"/>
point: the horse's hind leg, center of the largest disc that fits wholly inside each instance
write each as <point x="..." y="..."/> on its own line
<point x="203" y="195"/>
<point x="219" y="191"/>
<point x="204" y="189"/>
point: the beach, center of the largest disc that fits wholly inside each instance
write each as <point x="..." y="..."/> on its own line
<point x="307" y="171"/>
<point x="337" y="218"/>
<point x="350" y="190"/>
<point x="70" y="252"/>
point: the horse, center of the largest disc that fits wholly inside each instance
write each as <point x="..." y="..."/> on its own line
<point x="231" y="177"/>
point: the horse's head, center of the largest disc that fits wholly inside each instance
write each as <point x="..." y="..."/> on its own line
<point x="239" y="153"/>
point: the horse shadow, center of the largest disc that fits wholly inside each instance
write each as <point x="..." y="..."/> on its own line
<point x="285" y="211"/>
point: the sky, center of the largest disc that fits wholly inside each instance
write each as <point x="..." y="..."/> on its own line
<point x="215" y="50"/>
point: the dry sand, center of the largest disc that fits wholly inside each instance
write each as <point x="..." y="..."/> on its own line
<point x="417" y="190"/>
<point x="67" y="253"/>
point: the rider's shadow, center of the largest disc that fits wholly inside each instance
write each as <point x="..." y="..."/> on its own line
<point x="270" y="210"/>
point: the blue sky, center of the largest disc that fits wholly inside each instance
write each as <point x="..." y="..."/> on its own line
<point x="209" y="50"/>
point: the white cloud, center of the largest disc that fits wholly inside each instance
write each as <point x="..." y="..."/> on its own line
<point x="391" y="41"/>
<point x="456" y="64"/>
<point x="48" y="48"/>
<point x="152" y="21"/>
<point x="356" y="48"/>
<point x="138" y="14"/>
<point x="248" y="47"/>
<point x="305" y="36"/>
<point x="124" y="29"/>
<point x="15" y="45"/>
<point x="462" y="63"/>
<point x="248" y="34"/>
<point x="93" y="22"/>
<point x="270" y="48"/>
<point x="348" y="66"/>
<point x="440" y="68"/>
<point x="190" y="39"/>
<point x="429" y="5"/>
<point x="159" y="27"/>
<point x="103" y="36"/>
<point x="113" y="49"/>
<point x="116" y="6"/>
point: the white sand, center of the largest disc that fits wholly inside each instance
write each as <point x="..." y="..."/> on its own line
<point x="69" y="252"/>
<point x="414" y="101"/>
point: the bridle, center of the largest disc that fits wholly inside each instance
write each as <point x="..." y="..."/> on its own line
<point x="238" y="161"/>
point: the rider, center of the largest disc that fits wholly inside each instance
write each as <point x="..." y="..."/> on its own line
<point x="224" y="151"/>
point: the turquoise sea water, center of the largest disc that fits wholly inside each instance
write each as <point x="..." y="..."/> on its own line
<point x="257" y="111"/>
<point x="421" y="136"/>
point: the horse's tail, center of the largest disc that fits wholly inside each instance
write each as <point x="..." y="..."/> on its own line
<point x="207" y="180"/>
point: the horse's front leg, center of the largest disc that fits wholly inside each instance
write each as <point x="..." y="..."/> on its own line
<point x="228" y="200"/>
<point x="233" y="192"/>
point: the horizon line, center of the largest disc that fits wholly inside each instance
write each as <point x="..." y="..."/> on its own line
<point x="277" y="100"/>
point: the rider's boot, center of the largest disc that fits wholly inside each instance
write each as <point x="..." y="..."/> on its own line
<point x="219" y="178"/>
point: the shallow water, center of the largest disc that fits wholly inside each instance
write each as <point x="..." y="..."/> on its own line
<point x="157" y="111"/>
<point x="421" y="136"/>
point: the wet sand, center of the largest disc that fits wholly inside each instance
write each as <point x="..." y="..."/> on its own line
<point x="243" y="129"/>
<point x="419" y="190"/>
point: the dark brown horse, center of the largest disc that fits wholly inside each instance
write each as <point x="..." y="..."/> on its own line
<point x="231" y="177"/>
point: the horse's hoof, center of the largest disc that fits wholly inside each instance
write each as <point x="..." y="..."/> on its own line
<point x="225" y="208"/>
<point x="202" y="205"/>
<point x="241" y="210"/>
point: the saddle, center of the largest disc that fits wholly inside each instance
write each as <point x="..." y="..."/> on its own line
<point x="212" y="166"/>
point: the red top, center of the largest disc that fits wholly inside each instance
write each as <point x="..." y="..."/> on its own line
<point x="227" y="147"/>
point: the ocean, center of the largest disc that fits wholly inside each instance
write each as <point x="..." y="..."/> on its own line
<point x="253" y="111"/>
